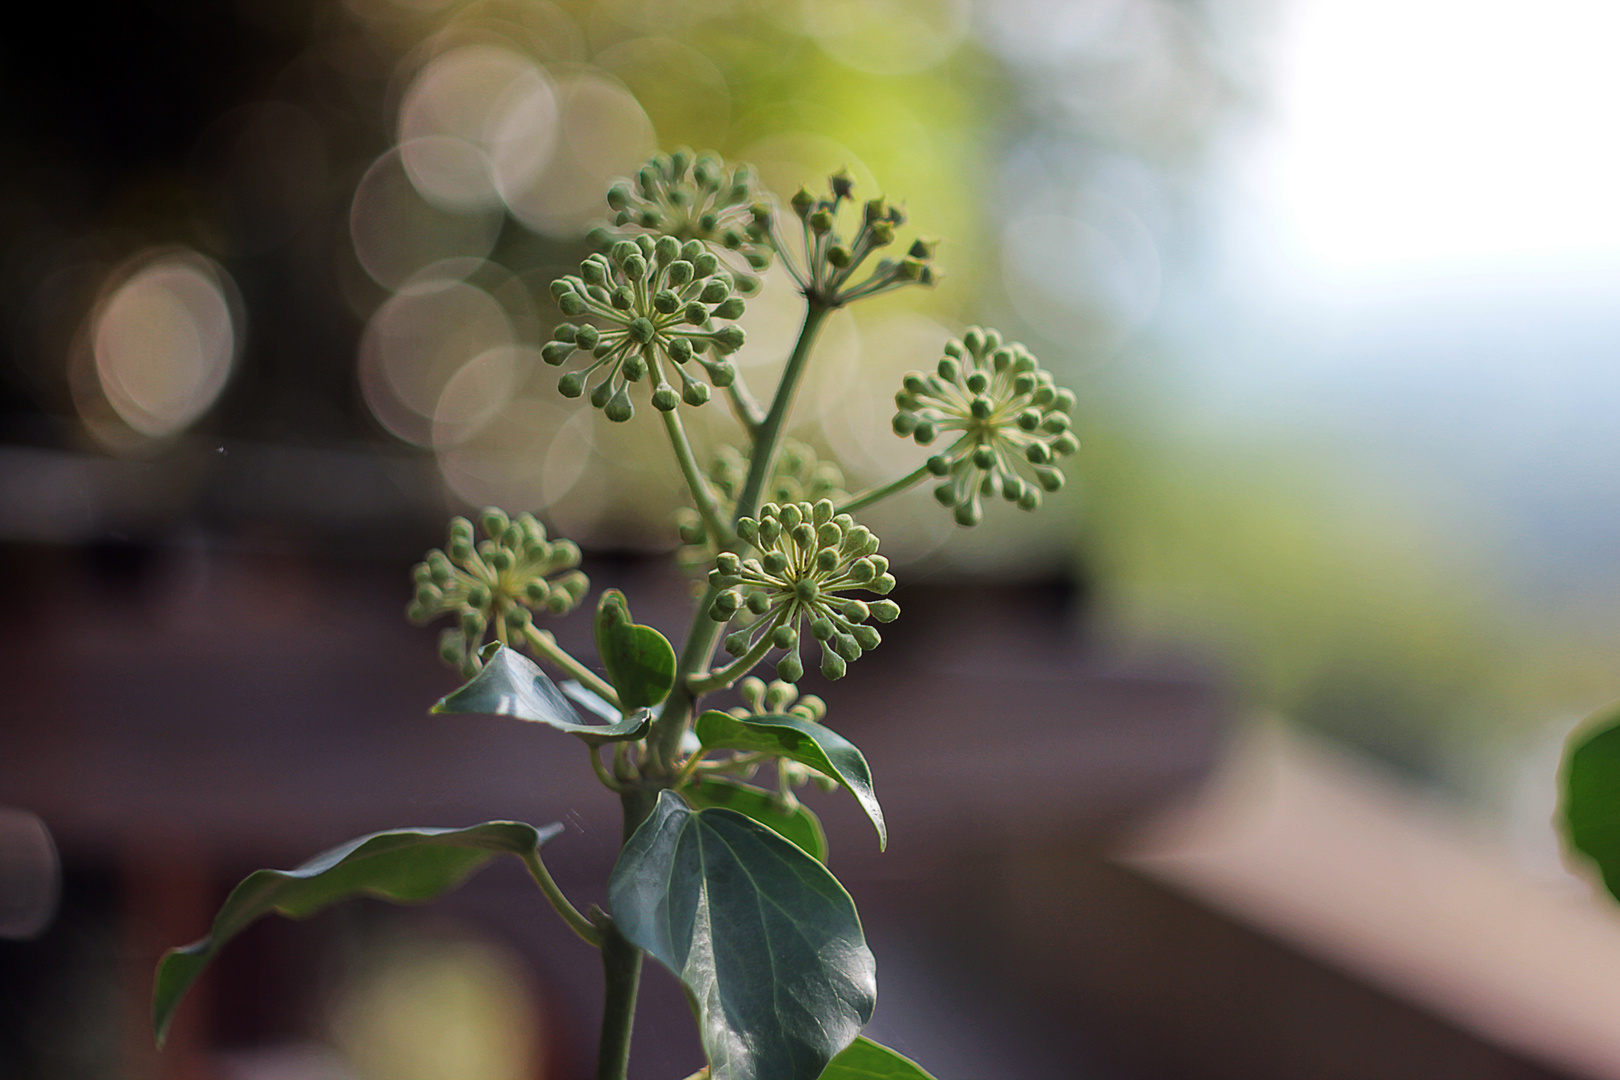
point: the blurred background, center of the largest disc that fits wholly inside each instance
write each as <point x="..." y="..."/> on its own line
<point x="1256" y="726"/>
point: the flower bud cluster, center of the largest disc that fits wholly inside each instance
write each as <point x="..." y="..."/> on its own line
<point x="834" y="259"/>
<point x="808" y="556"/>
<point x="663" y="305"/>
<point x="500" y="581"/>
<point x="782" y="699"/>
<point x="1009" y="419"/>
<point x="694" y="197"/>
<point x="799" y="476"/>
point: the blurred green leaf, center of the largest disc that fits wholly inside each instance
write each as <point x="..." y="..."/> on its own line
<point x="765" y="939"/>
<point x="798" y="825"/>
<point x="867" y="1060"/>
<point x="1591" y="796"/>
<point x="511" y="684"/>
<point x="640" y="661"/>
<point x="408" y="866"/>
<point x="808" y="743"/>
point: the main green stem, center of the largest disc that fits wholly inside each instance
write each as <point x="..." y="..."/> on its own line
<point x="664" y="741"/>
<point x="621" y="961"/>
<point x="621" y="964"/>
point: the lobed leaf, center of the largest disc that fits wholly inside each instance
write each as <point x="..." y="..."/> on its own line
<point x="803" y="741"/>
<point x="403" y="865"/>
<point x="766" y="941"/>
<point x="640" y="662"/>
<point x="799" y="825"/>
<point x="511" y="684"/>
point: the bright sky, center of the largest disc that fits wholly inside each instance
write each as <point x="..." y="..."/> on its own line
<point x="1447" y="135"/>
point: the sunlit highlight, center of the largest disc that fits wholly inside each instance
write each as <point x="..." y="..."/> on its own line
<point x="1445" y="132"/>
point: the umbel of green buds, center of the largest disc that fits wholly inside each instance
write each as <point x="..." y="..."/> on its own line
<point x="497" y="583"/>
<point x="808" y="557"/>
<point x="1007" y="420"/>
<point x="664" y="307"/>
<point x="798" y="476"/>
<point x="694" y="198"/>
<point x="833" y="257"/>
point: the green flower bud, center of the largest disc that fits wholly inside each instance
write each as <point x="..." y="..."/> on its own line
<point x="665" y="399"/>
<point x="618" y="409"/>
<point x="832" y="665"/>
<point x="790" y="667"/>
<point x="556" y="352"/>
<point x="729" y="338"/>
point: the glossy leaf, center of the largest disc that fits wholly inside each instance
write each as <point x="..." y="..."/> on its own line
<point x="404" y="865"/>
<point x="867" y="1060"/>
<point x="640" y="661"/>
<point x="766" y="941"/>
<point x="590" y="700"/>
<point x="511" y="684"/>
<point x="808" y="743"/>
<point x="798" y="825"/>
<point x="1591" y="796"/>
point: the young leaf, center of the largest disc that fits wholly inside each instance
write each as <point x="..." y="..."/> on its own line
<point x="764" y="938"/>
<point x="511" y="684"/>
<point x="407" y="866"/>
<point x="798" y="825"/>
<point x="1591" y="798"/>
<point x="867" y="1060"/>
<point x="640" y="661"/>
<point x="808" y="743"/>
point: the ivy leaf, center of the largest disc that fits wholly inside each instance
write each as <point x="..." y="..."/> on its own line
<point x="808" y="743"/>
<point x="766" y="941"/>
<point x="867" y="1060"/>
<point x="511" y="684"/>
<point x="1591" y="797"/>
<point x="798" y="825"/>
<point x="408" y="866"/>
<point x="640" y="661"/>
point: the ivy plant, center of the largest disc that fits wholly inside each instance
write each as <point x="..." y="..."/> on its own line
<point x="722" y="876"/>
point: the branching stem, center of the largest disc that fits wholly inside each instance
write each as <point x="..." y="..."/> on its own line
<point x="570" y="915"/>
<point x="545" y="646"/>
<point x="701" y="495"/>
<point x="883" y="491"/>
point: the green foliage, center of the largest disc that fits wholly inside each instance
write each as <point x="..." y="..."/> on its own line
<point x="799" y="740"/>
<point x="510" y="684"/>
<point x="763" y="937"/>
<point x="797" y="823"/>
<point x="722" y="881"/>
<point x="867" y="1060"/>
<point x="640" y="661"/>
<point x="407" y="866"/>
<point x="1590" y="807"/>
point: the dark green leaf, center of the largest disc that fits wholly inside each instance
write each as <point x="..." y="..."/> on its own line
<point x="640" y="661"/>
<point x="404" y="865"/>
<point x="808" y="743"/>
<point x="765" y="939"/>
<point x="798" y="825"/>
<point x="511" y="684"/>
<point x="867" y="1060"/>
<point x="1591" y="796"/>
